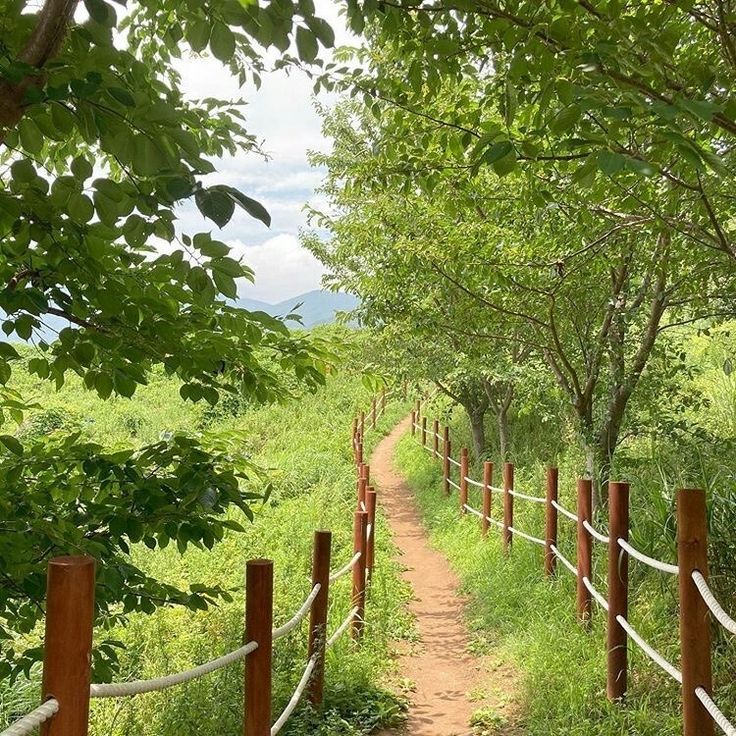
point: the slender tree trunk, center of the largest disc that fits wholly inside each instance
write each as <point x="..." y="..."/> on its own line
<point x="504" y="438"/>
<point x="478" y="431"/>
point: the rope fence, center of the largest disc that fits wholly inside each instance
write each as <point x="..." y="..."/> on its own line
<point x="696" y="599"/>
<point x="70" y="612"/>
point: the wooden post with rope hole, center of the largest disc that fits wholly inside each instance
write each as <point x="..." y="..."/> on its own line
<point x="692" y="556"/>
<point x="258" y="664"/>
<point x="359" y="545"/>
<point x="463" y="481"/>
<point x="424" y="431"/>
<point x="487" y="497"/>
<point x="373" y="413"/>
<point x="585" y="549"/>
<point x="413" y="422"/>
<point x="508" y="506"/>
<point x="318" y="615"/>
<point x="70" y="604"/>
<point x="618" y="591"/>
<point x="446" y="450"/>
<point x="550" y="521"/>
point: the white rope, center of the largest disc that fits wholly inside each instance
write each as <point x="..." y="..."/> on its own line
<point x="565" y="512"/>
<point x="299" y="615"/>
<point x="656" y="564"/>
<point x="346" y="568"/>
<point x="564" y="560"/>
<point x="30" y="721"/>
<point x="454" y="462"/>
<point x="710" y="600"/>
<point x="136" y="687"/>
<point x="602" y="602"/>
<point x="715" y="712"/>
<point x="602" y="538"/>
<point x="472" y="510"/>
<point x="494" y="522"/>
<point x="362" y="506"/>
<point x="474" y="482"/>
<point x="654" y="655"/>
<point x="528" y="537"/>
<point x="369" y="531"/>
<point x="342" y="627"/>
<point x="296" y="697"/>
<point x="428" y="449"/>
<point x="453" y="484"/>
<point x="524" y="497"/>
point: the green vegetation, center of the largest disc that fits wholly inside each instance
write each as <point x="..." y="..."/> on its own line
<point x="304" y="446"/>
<point x="516" y="612"/>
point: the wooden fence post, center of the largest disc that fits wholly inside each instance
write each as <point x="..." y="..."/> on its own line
<point x="318" y="615"/>
<point x="585" y="548"/>
<point x="435" y="438"/>
<point x="374" y="416"/>
<point x="413" y="422"/>
<point x="550" y="526"/>
<point x="359" y="545"/>
<point x="446" y="450"/>
<point x="424" y="431"/>
<point x="359" y="454"/>
<point x="487" y="498"/>
<point x="419" y="409"/>
<point x="370" y="505"/>
<point x="508" y="506"/>
<point x="463" y="482"/>
<point x="70" y="604"/>
<point x="258" y="664"/>
<point x="362" y="425"/>
<point x="618" y="590"/>
<point x="692" y="556"/>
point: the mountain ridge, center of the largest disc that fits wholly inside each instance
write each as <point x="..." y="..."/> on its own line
<point x="316" y="307"/>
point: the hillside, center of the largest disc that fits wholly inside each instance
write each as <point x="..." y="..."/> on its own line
<point x="315" y="307"/>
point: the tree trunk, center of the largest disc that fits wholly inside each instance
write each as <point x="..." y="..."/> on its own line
<point x="504" y="439"/>
<point x="478" y="431"/>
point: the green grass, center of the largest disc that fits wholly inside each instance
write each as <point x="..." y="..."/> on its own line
<point x="305" y="445"/>
<point x="530" y="621"/>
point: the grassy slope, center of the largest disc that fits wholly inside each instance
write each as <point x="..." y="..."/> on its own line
<point x="307" y="446"/>
<point x="516" y="612"/>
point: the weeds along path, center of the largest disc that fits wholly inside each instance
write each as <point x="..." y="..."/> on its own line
<point x="446" y="678"/>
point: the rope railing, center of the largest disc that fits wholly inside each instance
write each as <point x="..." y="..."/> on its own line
<point x="602" y="538"/>
<point x="472" y="482"/>
<point x="138" y="687"/>
<point x="453" y="484"/>
<point x="556" y="552"/>
<point x="298" y="617"/>
<point x="714" y="606"/>
<point x="599" y="599"/>
<point x="28" y="723"/>
<point x="652" y="653"/>
<point x="715" y="712"/>
<point x="472" y="510"/>
<point x="296" y="697"/>
<point x="569" y="514"/>
<point x="342" y="628"/>
<point x="454" y="462"/>
<point x="650" y="561"/>
<point x="518" y="533"/>
<point x="346" y="568"/>
<point x="525" y="497"/>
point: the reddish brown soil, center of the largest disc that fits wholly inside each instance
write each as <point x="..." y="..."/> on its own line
<point x="446" y="683"/>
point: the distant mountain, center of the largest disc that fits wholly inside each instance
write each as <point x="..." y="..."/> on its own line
<point x="317" y="307"/>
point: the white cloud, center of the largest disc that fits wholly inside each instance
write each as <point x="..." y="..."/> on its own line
<point x="282" y="116"/>
<point x="283" y="268"/>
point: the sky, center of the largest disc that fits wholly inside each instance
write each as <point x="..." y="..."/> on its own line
<point x="282" y="116"/>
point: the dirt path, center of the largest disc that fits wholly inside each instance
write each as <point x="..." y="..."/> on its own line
<point x="449" y="684"/>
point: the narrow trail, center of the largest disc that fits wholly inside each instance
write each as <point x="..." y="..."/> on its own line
<point x="449" y="683"/>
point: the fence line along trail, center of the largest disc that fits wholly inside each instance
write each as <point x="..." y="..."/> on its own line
<point x="439" y="666"/>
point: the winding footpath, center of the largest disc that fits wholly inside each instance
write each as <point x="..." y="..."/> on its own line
<point x="446" y="679"/>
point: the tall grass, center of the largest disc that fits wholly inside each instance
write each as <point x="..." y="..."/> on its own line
<point x="306" y="447"/>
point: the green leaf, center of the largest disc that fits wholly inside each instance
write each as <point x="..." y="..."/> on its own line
<point x="81" y="168"/>
<point x="80" y="208"/>
<point x="225" y="284"/>
<point x="22" y="171"/>
<point x="122" y="96"/>
<point x="198" y="35"/>
<point x="251" y="206"/>
<point x="215" y="204"/>
<point x="565" y="119"/>
<point x="12" y="444"/>
<point x="611" y="163"/>
<point x="31" y="137"/>
<point x="497" y="151"/>
<point x="222" y="42"/>
<point x="306" y="44"/>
